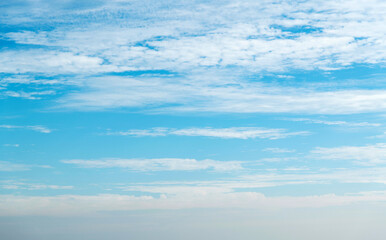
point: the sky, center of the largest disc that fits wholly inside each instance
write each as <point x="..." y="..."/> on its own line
<point x="168" y="119"/>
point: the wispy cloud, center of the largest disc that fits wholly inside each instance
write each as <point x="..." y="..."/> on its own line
<point x="27" y="95"/>
<point x="11" y="167"/>
<point x="233" y="132"/>
<point x="218" y="95"/>
<point x="11" y="145"/>
<point x="278" y="150"/>
<point x="383" y="135"/>
<point x="14" y="185"/>
<point x="365" y="155"/>
<point x="339" y="123"/>
<point x="279" y="159"/>
<point x="7" y="166"/>
<point x="161" y="164"/>
<point x="36" y="128"/>
<point x="49" y="62"/>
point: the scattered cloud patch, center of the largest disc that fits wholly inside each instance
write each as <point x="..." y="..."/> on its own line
<point x="96" y="55"/>
<point x="281" y="36"/>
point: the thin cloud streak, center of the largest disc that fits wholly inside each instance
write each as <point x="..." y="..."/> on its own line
<point x="227" y="133"/>
<point x="161" y="164"/>
<point x="226" y="96"/>
<point x="338" y="123"/>
<point x="14" y="185"/>
<point x="36" y="128"/>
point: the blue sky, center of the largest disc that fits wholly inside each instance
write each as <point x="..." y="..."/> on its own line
<point x="264" y="112"/>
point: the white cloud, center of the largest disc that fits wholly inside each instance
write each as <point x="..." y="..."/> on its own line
<point x="324" y="34"/>
<point x="27" y="95"/>
<point x="26" y="79"/>
<point x="41" y="129"/>
<point x="219" y="95"/>
<point x="240" y="132"/>
<point x="10" y="185"/>
<point x="11" y="145"/>
<point x="364" y="155"/>
<point x="279" y="159"/>
<point x="383" y="135"/>
<point x="278" y="150"/>
<point x="233" y="40"/>
<point x="11" y="167"/>
<point x="50" y="62"/>
<point x="340" y="123"/>
<point x="233" y="132"/>
<point x="7" y="166"/>
<point x="296" y="169"/>
<point x="161" y="164"/>
<point x="154" y="132"/>
<point x="36" y="128"/>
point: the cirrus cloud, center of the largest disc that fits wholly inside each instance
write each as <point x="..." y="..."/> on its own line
<point x="161" y="164"/>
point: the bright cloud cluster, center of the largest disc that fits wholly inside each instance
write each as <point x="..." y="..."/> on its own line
<point x="199" y="54"/>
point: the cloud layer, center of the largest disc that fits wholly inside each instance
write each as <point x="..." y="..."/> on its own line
<point x="194" y="56"/>
<point x="11" y="205"/>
